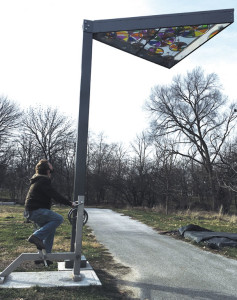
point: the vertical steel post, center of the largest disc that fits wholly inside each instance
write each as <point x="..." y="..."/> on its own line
<point x="78" y="239"/>
<point x="82" y="135"/>
<point x="82" y="132"/>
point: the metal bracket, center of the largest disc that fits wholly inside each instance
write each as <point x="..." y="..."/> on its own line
<point x="88" y="26"/>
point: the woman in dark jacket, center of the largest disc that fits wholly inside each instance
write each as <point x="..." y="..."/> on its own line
<point x="38" y="206"/>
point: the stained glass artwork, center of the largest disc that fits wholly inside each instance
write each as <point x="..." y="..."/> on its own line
<point x="213" y="33"/>
<point x="165" y="46"/>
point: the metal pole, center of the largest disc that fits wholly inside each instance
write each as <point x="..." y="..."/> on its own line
<point x="83" y="120"/>
<point x="82" y="132"/>
<point x="78" y="240"/>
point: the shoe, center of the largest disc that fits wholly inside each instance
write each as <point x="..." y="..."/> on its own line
<point x="38" y="243"/>
<point x="38" y="262"/>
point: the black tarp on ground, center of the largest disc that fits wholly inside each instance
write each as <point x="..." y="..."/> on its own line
<point x="211" y="238"/>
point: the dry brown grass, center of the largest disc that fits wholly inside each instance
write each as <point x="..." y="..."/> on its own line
<point x="208" y="215"/>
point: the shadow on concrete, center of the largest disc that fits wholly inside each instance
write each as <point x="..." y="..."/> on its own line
<point x="151" y="291"/>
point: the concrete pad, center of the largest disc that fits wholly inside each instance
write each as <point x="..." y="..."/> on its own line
<point x="62" y="267"/>
<point x="49" y="279"/>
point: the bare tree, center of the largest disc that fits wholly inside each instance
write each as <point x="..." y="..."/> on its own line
<point x="227" y="174"/>
<point x="27" y="155"/>
<point x="192" y="109"/>
<point x="118" y="168"/>
<point x="9" y="120"/>
<point x="166" y="165"/>
<point x="49" y="129"/>
<point x="100" y="156"/>
<point x="141" y="165"/>
<point x="9" y="117"/>
<point x="65" y="166"/>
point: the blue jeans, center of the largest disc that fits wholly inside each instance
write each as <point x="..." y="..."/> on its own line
<point x="48" y="221"/>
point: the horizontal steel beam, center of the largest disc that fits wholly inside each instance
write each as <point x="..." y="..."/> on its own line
<point x="156" y="21"/>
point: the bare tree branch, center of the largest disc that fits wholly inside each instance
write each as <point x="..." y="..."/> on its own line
<point x="190" y="109"/>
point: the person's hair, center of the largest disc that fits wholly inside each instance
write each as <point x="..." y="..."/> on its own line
<point x="42" y="167"/>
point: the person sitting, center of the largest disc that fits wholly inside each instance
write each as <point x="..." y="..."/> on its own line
<point x="38" y="206"/>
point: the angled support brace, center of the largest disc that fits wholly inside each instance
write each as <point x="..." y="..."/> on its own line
<point x="34" y="256"/>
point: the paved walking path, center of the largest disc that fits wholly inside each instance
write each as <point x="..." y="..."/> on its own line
<point x="162" y="267"/>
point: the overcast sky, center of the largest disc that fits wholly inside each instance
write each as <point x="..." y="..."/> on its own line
<point x="40" y="59"/>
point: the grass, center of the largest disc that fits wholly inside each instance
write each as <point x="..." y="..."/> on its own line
<point x="165" y="223"/>
<point x="13" y="242"/>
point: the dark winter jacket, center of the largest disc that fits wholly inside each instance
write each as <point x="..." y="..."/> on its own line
<point x="41" y="193"/>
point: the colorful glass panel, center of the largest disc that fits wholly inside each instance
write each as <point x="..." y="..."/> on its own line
<point x="161" y="45"/>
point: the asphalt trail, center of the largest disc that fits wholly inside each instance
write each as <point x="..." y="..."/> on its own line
<point x="162" y="267"/>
